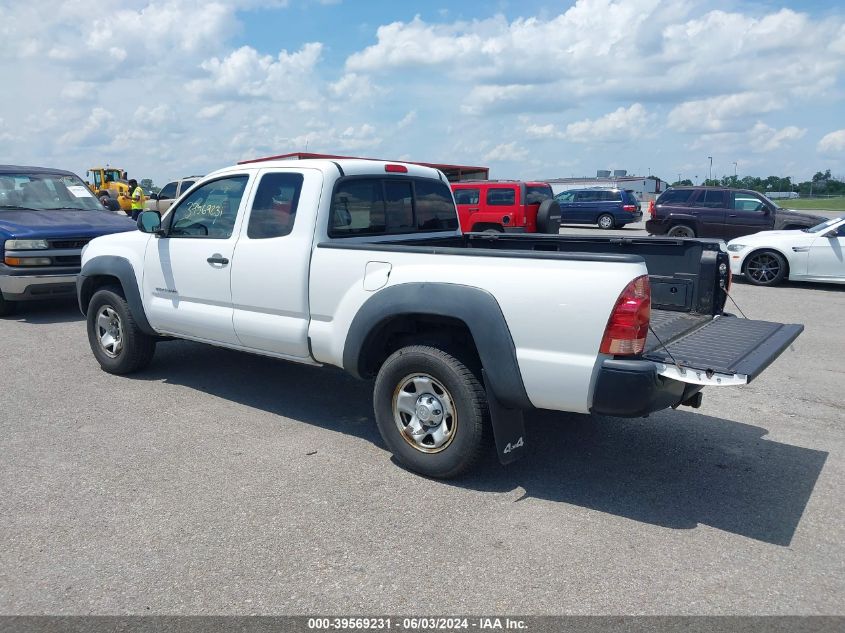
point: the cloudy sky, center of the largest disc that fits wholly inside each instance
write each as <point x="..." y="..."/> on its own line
<point x="539" y="89"/>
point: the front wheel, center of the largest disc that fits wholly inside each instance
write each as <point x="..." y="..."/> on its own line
<point x="765" y="268"/>
<point x="118" y="343"/>
<point x="431" y="411"/>
<point x="606" y="221"/>
<point x="7" y="307"/>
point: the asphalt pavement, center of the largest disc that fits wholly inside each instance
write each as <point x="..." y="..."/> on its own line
<point x="217" y="482"/>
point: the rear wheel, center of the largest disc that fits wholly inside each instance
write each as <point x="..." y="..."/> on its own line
<point x="606" y="221"/>
<point x="681" y="230"/>
<point x="431" y="411"/>
<point x="765" y="268"/>
<point x="117" y="342"/>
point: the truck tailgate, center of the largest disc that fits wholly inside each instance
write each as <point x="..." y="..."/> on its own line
<point x="724" y="350"/>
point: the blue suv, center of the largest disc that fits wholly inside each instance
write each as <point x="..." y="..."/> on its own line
<point x="608" y="208"/>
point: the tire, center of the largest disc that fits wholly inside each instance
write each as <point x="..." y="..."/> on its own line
<point x="130" y="349"/>
<point x="606" y="221"/>
<point x="681" y="230"/>
<point x="445" y="445"/>
<point x="764" y="268"/>
<point x="548" y="217"/>
<point x="7" y="307"/>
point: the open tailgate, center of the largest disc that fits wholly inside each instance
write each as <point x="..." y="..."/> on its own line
<point x="723" y="351"/>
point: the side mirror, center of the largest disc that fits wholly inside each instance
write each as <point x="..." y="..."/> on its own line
<point x="833" y="233"/>
<point x="149" y="222"/>
<point x="153" y="196"/>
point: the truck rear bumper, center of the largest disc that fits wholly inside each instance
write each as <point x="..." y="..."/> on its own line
<point x="23" y="287"/>
<point x="633" y="388"/>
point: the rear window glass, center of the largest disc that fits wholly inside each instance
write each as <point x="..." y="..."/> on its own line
<point x="675" y="196"/>
<point x="710" y="198"/>
<point x="501" y="196"/>
<point x="467" y="196"/>
<point x="376" y="206"/>
<point x="535" y="194"/>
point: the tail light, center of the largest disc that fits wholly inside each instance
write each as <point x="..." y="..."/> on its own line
<point x="629" y="207"/>
<point x="627" y="327"/>
<point x="651" y="208"/>
<point x="396" y="169"/>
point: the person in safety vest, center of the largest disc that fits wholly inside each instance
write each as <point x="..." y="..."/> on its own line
<point x="136" y="195"/>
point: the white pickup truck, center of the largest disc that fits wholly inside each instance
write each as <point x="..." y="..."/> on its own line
<point x="361" y="264"/>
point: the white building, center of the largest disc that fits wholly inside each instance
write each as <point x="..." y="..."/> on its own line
<point x="645" y="187"/>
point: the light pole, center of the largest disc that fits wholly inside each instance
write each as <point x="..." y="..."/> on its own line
<point x="711" y="168"/>
<point x="734" y="170"/>
<point x="679" y="178"/>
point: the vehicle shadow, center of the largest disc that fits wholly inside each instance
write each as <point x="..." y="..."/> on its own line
<point x="809" y="285"/>
<point x="676" y="469"/>
<point x="47" y="312"/>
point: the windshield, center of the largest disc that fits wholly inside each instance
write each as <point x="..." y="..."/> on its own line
<point x="40" y="192"/>
<point x="823" y="225"/>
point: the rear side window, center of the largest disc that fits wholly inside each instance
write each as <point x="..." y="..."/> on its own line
<point x="611" y="196"/>
<point x="378" y="206"/>
<point x="501" y="196"/>
<point x="274" y="207"/>
<point x="536" y="194"/>
<point x="434" y="207"/>
<point x="467" y="196"/>
<point x="675" y="196"/>
<point x="186" y="184"/>
<point x="711" y="198"/>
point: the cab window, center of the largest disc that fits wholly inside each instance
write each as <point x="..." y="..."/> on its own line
<point x="747" y="202"/>
<point x="274" y="207"/>
<point x="209" y="211"/>
<point x="168" y="191"/>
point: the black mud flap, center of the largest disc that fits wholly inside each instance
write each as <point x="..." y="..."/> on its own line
<point x="508" y="427"/>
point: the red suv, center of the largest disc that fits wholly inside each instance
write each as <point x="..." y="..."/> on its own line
<point x="506" y="206"/>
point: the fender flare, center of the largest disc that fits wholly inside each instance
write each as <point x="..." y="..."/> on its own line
<point x="121" y="268"/>
<point x="681" y="218"/>
<point x="476" y="308"/>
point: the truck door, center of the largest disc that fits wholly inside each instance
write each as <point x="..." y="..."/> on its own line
<point x="186" y="272"/>
<point x="747" y="214"/>
<point x="271" y="264"/>
<point x="709" y="209"/>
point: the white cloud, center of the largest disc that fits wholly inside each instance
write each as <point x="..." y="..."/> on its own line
<point x="246" y="73"/>
<point x="354" y="87"/>
<point x="96" y="130"/>
<point x="212" y="111"/>
<point x="760" y="138"/>
<point x="630" y="48"/>
<point x="620" y="125"/>
<point x="506" y="152"/>
<point x="717" y="113"/>
<point x="832" y="143"/>
<point x="407" y="120"/>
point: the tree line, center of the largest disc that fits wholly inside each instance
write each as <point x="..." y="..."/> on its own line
<point x="822" y="183"/>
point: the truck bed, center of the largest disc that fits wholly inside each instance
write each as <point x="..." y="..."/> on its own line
<point x="688" y="285"/>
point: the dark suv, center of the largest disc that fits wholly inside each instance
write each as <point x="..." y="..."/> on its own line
<point x="720" y="212"/>
<point x="609" y="208"/>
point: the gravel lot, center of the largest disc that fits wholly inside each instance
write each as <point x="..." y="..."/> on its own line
<point x="218" y="482"/>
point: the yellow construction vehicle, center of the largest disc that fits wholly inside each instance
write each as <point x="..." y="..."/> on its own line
<point x="110" y="185"/>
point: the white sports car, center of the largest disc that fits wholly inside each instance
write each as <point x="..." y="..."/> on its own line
<point x="813" y="254"/>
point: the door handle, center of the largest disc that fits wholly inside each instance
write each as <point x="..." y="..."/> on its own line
<point x="732" y="215"/>
<point x="473" y="209"/>
<point x="217" y="259"/>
